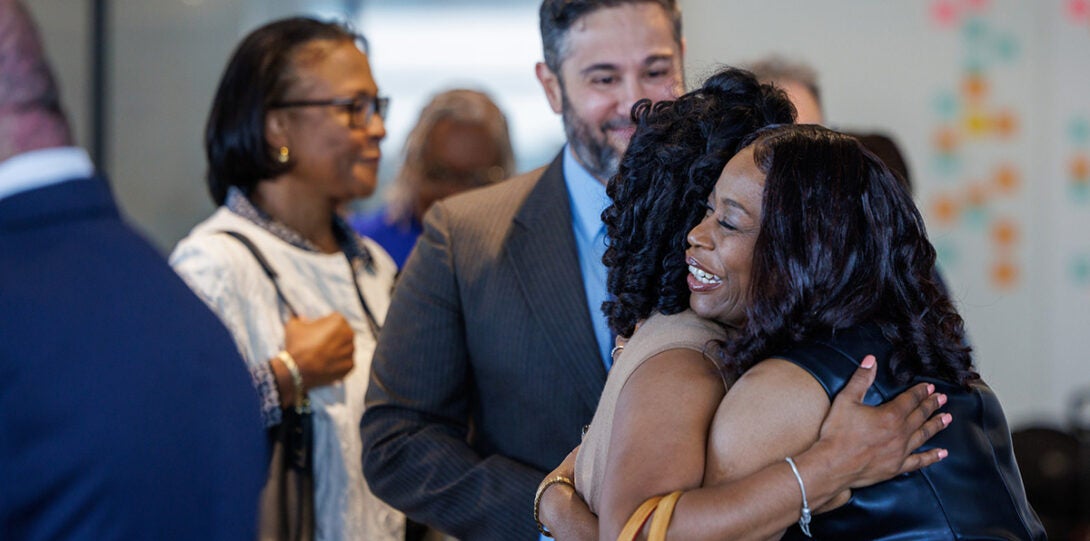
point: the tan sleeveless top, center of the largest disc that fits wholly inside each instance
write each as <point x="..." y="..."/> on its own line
<point x="657" y="334"/>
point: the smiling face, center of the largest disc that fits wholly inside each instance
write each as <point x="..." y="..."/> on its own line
<point x="613" y="57"/>
<point x="335" y="159"/>
<point x="720" y="254"/>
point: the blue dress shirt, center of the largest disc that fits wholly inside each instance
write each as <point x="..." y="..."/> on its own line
<point x="588" y="199"/>
<point x="587" y="196"/>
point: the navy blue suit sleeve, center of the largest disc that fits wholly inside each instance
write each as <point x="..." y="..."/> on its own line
<point x="125" y="411"/>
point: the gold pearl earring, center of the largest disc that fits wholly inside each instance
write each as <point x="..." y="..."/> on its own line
<point x="284" y="156"/>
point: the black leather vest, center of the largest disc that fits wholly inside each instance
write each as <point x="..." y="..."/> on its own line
<point x="975" y="493"/>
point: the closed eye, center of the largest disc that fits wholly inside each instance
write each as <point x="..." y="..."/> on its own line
<point x="709" y="210"/>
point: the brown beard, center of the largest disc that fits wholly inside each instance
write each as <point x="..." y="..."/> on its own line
<point x="599" y="158"/>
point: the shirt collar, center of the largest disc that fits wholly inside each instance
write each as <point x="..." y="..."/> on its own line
<point x="350" y="243"/>
<point x="40" y="168"/>
<point x="588" y="195"/>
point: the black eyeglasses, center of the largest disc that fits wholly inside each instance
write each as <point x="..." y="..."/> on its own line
<point x="360" y="108"/>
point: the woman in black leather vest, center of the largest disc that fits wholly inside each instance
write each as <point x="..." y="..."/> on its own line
<point x="838" y="266"/>
<point x="814" y="256"/>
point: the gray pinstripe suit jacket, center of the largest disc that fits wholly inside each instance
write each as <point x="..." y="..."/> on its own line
<point x="487" y="366"/>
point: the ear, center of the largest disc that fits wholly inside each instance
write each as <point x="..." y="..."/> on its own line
<point x="551" y="84"/>
<point x="276" y="129"/>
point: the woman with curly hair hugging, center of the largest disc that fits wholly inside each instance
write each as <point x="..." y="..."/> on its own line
<point x="806" y="257"/>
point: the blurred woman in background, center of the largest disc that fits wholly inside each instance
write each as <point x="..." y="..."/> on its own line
<point x="461" y="141"/>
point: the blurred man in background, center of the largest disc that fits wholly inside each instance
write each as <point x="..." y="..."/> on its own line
<point x="124" y="410"/>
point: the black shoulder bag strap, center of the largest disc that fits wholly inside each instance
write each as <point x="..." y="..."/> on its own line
<point x="371" y="321"/>
<point x="265" y="267"/>
<point x="287" y="501"/>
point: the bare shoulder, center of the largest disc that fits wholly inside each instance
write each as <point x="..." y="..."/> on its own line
<point x="659" y="432"/>
<point x="780" y="378"/>
<point x="672" y="375"/>
<point x="666" y="359"/>
<point x="774" y="410"/>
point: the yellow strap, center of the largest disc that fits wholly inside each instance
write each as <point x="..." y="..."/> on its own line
<point x="638" y="517"/>
<point x="661" y="521"/>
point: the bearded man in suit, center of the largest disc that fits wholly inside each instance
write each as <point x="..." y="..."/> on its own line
<point x="495" y="349"/>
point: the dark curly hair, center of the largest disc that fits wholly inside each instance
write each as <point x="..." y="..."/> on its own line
<point x="675" y="156"/>
<point x="841" y="244"/>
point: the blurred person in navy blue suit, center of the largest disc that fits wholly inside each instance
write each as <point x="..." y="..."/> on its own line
<point x="124" y="410"/>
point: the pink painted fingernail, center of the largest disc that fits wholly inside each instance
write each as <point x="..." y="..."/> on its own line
<point x="868" y="362"/>
<point x="946" y="418"/>
<point x="942" y="398"/>
<point x="930" y="388"/>
<point x="942" y="454"/>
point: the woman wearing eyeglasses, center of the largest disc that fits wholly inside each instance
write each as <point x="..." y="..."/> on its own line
<point x="293" y="134"/>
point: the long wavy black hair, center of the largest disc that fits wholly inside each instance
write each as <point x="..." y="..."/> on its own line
<point x="675" y="156"/>
<point x="841" y="244"/>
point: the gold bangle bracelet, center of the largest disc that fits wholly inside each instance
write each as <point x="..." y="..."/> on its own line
<point x="559" y="479"/>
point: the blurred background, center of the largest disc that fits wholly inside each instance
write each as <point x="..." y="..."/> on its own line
<point x="988" y="99"/>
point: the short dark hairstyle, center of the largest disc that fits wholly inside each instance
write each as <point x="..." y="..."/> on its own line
<point x="258" y="74"/>
<point x="842" y="244"/>
<point x="673" y="161"/>
<point x="556" y="17"/>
